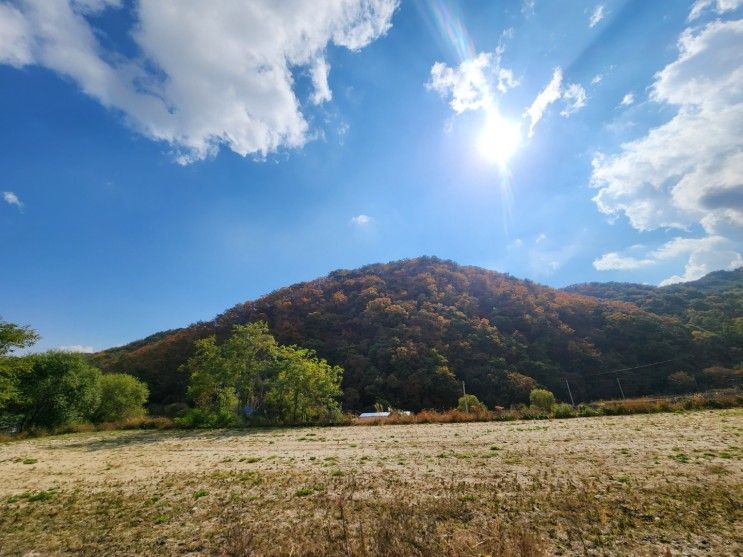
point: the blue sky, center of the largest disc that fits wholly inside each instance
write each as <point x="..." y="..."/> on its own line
<point x="160" y="165"/>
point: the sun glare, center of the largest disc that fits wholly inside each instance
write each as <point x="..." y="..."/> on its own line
<point x="499" y="139"/>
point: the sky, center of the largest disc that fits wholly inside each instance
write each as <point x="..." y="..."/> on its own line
<point x="164" y="161"/>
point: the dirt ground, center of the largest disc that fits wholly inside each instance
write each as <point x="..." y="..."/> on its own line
<point x="662" y="484"/>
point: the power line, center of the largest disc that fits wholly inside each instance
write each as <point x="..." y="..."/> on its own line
<point x="639" y="367"/>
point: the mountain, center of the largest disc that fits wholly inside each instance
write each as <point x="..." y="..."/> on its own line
<point x="408" y="332"/>
<point x="711" y="307"/>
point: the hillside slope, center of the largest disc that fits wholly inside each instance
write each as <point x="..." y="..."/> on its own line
<point x="712" y="307"/>
<point x="408" y="332"/>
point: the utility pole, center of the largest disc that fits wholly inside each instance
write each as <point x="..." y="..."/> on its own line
<point x="620" y="387"/>
<point x="464" y="394"/>
<point x="572" y="402"/>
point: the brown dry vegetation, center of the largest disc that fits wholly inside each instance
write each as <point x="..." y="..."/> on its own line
<point x="633" y="485"/>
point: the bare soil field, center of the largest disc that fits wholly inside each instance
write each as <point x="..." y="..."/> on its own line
<point x="663" y="484"/>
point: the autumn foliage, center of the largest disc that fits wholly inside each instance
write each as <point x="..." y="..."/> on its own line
<point x="407" y="333"/>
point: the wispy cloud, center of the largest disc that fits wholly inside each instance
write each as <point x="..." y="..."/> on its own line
<point x="575" y="97"/>
<point x="546" y="97"/>
<point x="720" y="6"/>
<point x="627" y="99"/>
<point x="12" y="199"/>
<point x="596" y="16"/>
<point x="361" y="220"/>
<point x="77" y="348"/>
<point x="471" y="85"/>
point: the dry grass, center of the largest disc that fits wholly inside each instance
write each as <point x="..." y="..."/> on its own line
<point x="630" y="485"/>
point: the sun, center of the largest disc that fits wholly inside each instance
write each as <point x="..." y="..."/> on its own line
<point x="499" y="139"/>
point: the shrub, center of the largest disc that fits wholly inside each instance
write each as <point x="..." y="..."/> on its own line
<point x="470" y="403"/>
<point x="563" y="410"/>
<point x="587" y="411"/>
<point x="542" y="399"/>
<point x="198" y="418"/>
<point x="122" y="397"/>
<point x="721" y="377"/>
<point x="681" y="382"/>
<point x="533" y="413"/>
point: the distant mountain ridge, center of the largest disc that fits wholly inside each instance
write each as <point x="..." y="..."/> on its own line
<point x="713" y="303"/>
<point x="408" y="332"/>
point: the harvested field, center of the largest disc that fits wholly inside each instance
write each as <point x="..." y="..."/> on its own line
<point x="661" y="484"/>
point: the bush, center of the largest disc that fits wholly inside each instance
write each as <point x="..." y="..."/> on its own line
<point x="122" y="397"/>
<point x="587" y="411"/>
<point x="563" y="410"/>
<point x="533" y="413"/>
<point x="198" y="418"/>
<point x="542" y="399"/>
<point x="470" y="403"/>
<point x="681" y="382"/>
<point x="720" y="377"/>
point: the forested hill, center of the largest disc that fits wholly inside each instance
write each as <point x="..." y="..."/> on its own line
<point x="408" y="332"/>
<point x="711" y="307"/>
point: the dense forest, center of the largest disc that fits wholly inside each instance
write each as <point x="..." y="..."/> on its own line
<point x="408" y="333"/>
<point x="712" y="307"/>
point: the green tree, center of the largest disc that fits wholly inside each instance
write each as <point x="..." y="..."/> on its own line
<point x="123" y="396"/>
<point x="250" y="371"/>
<point x="12" y="336"/>
<point x="542" y="399"/>
<point x="212" y="385"/>
<point x="304" y="389"/>
<point x="470" y="403"/>
<point x="59" y="388"/>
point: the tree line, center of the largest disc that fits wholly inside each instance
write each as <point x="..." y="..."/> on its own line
<point x="248" y="378"/>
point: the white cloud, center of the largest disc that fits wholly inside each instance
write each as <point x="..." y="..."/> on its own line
<point x="506" y="80"/>
<point x="15" y="42"/>
<point x="546" y="97"/>
<point x="541" y="238"/>
<point x="518" y="243"/>
<point x="703" y="255"/>
<point x="596" y="16"/>
<point x="12" y="199"/>
<point x="688" y="172"/>
<point x="208" y="73"/>
<point x="469" y="85"/>
<point x="575" y="96"/>
<point x="77" y="348"/>
<point x="614" y="261"/>
<point x="627" y="99"/>
<point x="720" y="6"/>
<point x="319" y="73"/>
<point x="474" y="83"/>
<point x="703" y="262"/>
<point x="361" y="220"/>
<point x="527" y="7"/>
<point x="597" y="79"/>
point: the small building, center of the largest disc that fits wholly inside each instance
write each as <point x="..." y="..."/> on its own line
<point x="374" y="414"/>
